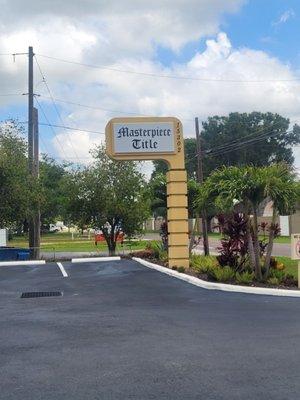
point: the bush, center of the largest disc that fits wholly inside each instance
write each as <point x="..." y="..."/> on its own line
<point x="278" y="274"/>
<point x="202" y="264"/>
<point x="224" y="274"/>
<point x="273" y="281"/>
<point x="289" y="280"/>
<point x="180" y="269"/>
<point x="143" y="254"/>
<point x="158" y="250"/>
<point x="244" y="277"/>
<point x="154" y="246"/>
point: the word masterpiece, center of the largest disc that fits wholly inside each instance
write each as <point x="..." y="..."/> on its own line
<point x="125" y="132"/>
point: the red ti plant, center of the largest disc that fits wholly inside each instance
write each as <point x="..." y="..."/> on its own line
<point x="234" y="244"/>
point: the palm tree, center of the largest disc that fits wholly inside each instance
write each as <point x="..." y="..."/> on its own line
<point x="282" y="189"/>
<point x="249" y="186"/>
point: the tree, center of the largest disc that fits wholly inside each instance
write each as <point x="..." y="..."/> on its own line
<point x="267" y="136"/>
<point x="158" y="195"/>
<point x="17" y="190"/>
<point x="53" y="178"/>
<point x="110" y="195"/>
<point x="248" y="187"/>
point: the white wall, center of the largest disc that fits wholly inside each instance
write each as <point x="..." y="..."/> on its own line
<point x="3" y="237"/>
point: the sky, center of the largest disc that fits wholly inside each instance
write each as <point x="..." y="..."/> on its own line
<point x="98" y="59"/>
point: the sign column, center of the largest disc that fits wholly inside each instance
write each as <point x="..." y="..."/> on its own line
<point x="178" y="251"/>
<point x="158" y="138"/>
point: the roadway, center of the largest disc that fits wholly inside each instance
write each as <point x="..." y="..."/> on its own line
<point x="123" y="331"/>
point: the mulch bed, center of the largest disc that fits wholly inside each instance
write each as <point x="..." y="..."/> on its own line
<point x="204" y="277"/>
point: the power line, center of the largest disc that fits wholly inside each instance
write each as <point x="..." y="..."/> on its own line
<point x="53" y="102"/>
<point x="261" y="133"/>
<point x="54" y="134"/>
<point x="106" y="109"/>
<point x="242" y="144"/>
<point x="71" y="128"/>
<point x="66" y="127"/>
<point x="11" y="94"/>
<point x="150" y="74"/>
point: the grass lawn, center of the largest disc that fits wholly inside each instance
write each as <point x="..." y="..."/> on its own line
<point x="291" y="266"/>
<point x="60" y="242"/>
<point x="280" y="239"/>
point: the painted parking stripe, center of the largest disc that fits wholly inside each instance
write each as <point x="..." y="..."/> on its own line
<point x="16" y="263"/>
<point x="95" y="259"/>
<point x="63" y="271"/>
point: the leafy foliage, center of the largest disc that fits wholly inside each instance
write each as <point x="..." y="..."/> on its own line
<point x="234" y="244"/>
<point x="271" y="130"/>
<point x="244" y="189"/>
<point x="17" y="190"/>
<point x="202" y="264"/>
<point x="245" y="277"/>
<point x="111" y="196"/>
<point x="225" y="274"/>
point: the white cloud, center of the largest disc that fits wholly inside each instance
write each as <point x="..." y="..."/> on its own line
<point x="284" y="17"/>
<point x="103" y="33"/>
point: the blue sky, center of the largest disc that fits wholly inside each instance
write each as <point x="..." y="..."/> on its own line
<point x="255" y="39"/>
<point x="257" y="26"/>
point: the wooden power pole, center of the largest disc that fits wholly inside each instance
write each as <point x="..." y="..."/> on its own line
<point x="33" y="160"/>
<point x="36" y="173"/>
<point x="200" y="180"/>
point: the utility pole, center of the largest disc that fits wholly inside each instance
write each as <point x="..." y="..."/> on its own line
<point x="30" y="141"/>
<point x="200" y="180"/>
<point x="36" y="173"/>
<point x="33" y="162"/>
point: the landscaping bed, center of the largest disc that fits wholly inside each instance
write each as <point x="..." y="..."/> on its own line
<point x="283" y="272"/>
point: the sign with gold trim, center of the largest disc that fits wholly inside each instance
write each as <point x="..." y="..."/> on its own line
<point x="157" y="138"/>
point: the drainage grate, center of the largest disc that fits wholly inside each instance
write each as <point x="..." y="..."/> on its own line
<point x="27" y="295"/>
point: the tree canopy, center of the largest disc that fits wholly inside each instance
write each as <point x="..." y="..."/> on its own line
<point x="109" y="195"/>
<point x="15" y="185"/>
<point x="248" y="187"/>
<point x="240" y="139"/>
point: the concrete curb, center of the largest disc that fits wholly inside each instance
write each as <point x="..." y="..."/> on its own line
<point x="95" y="259"/>
<point x="219" y="286"/>
<point x="12" y="263"/>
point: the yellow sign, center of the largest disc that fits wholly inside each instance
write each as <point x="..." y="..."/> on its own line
<point x="157" y="138"/>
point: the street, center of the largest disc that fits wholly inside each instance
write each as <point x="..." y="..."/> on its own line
<point x="123" y="331"/>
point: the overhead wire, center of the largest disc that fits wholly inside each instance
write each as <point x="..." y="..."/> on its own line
<point x="242" y="144"/>
<point x="150" y="74"/>
<point x="106" y="109"/>
<point x="54" y="104"/>
<point x="53" y="131"/>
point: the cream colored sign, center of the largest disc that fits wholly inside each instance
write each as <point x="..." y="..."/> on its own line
<point x="157" y="138"/>
<point x="295" y="246"/>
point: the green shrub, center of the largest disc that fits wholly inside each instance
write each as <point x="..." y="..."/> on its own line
<point x="244" y="277"/>
<point x="224" y="274"/>
<point x="290" y="280"/>
<point x="278" y="274"/>
<point x="155" y="246"/>
<point x="273" y="281"/>
<point x="202" y="264"/>
<point x="157" y="249"/>
<point x="181" y="269"/>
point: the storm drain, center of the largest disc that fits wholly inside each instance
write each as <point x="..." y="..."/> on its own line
<point x="27" y="295"/>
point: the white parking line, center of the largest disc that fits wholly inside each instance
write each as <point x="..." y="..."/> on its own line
<point x="63" y="271"/>
<point x="13" y="263"/>
<point x="95" y="259"/>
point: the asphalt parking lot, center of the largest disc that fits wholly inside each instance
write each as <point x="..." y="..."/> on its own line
<point x="122" y="331"/>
